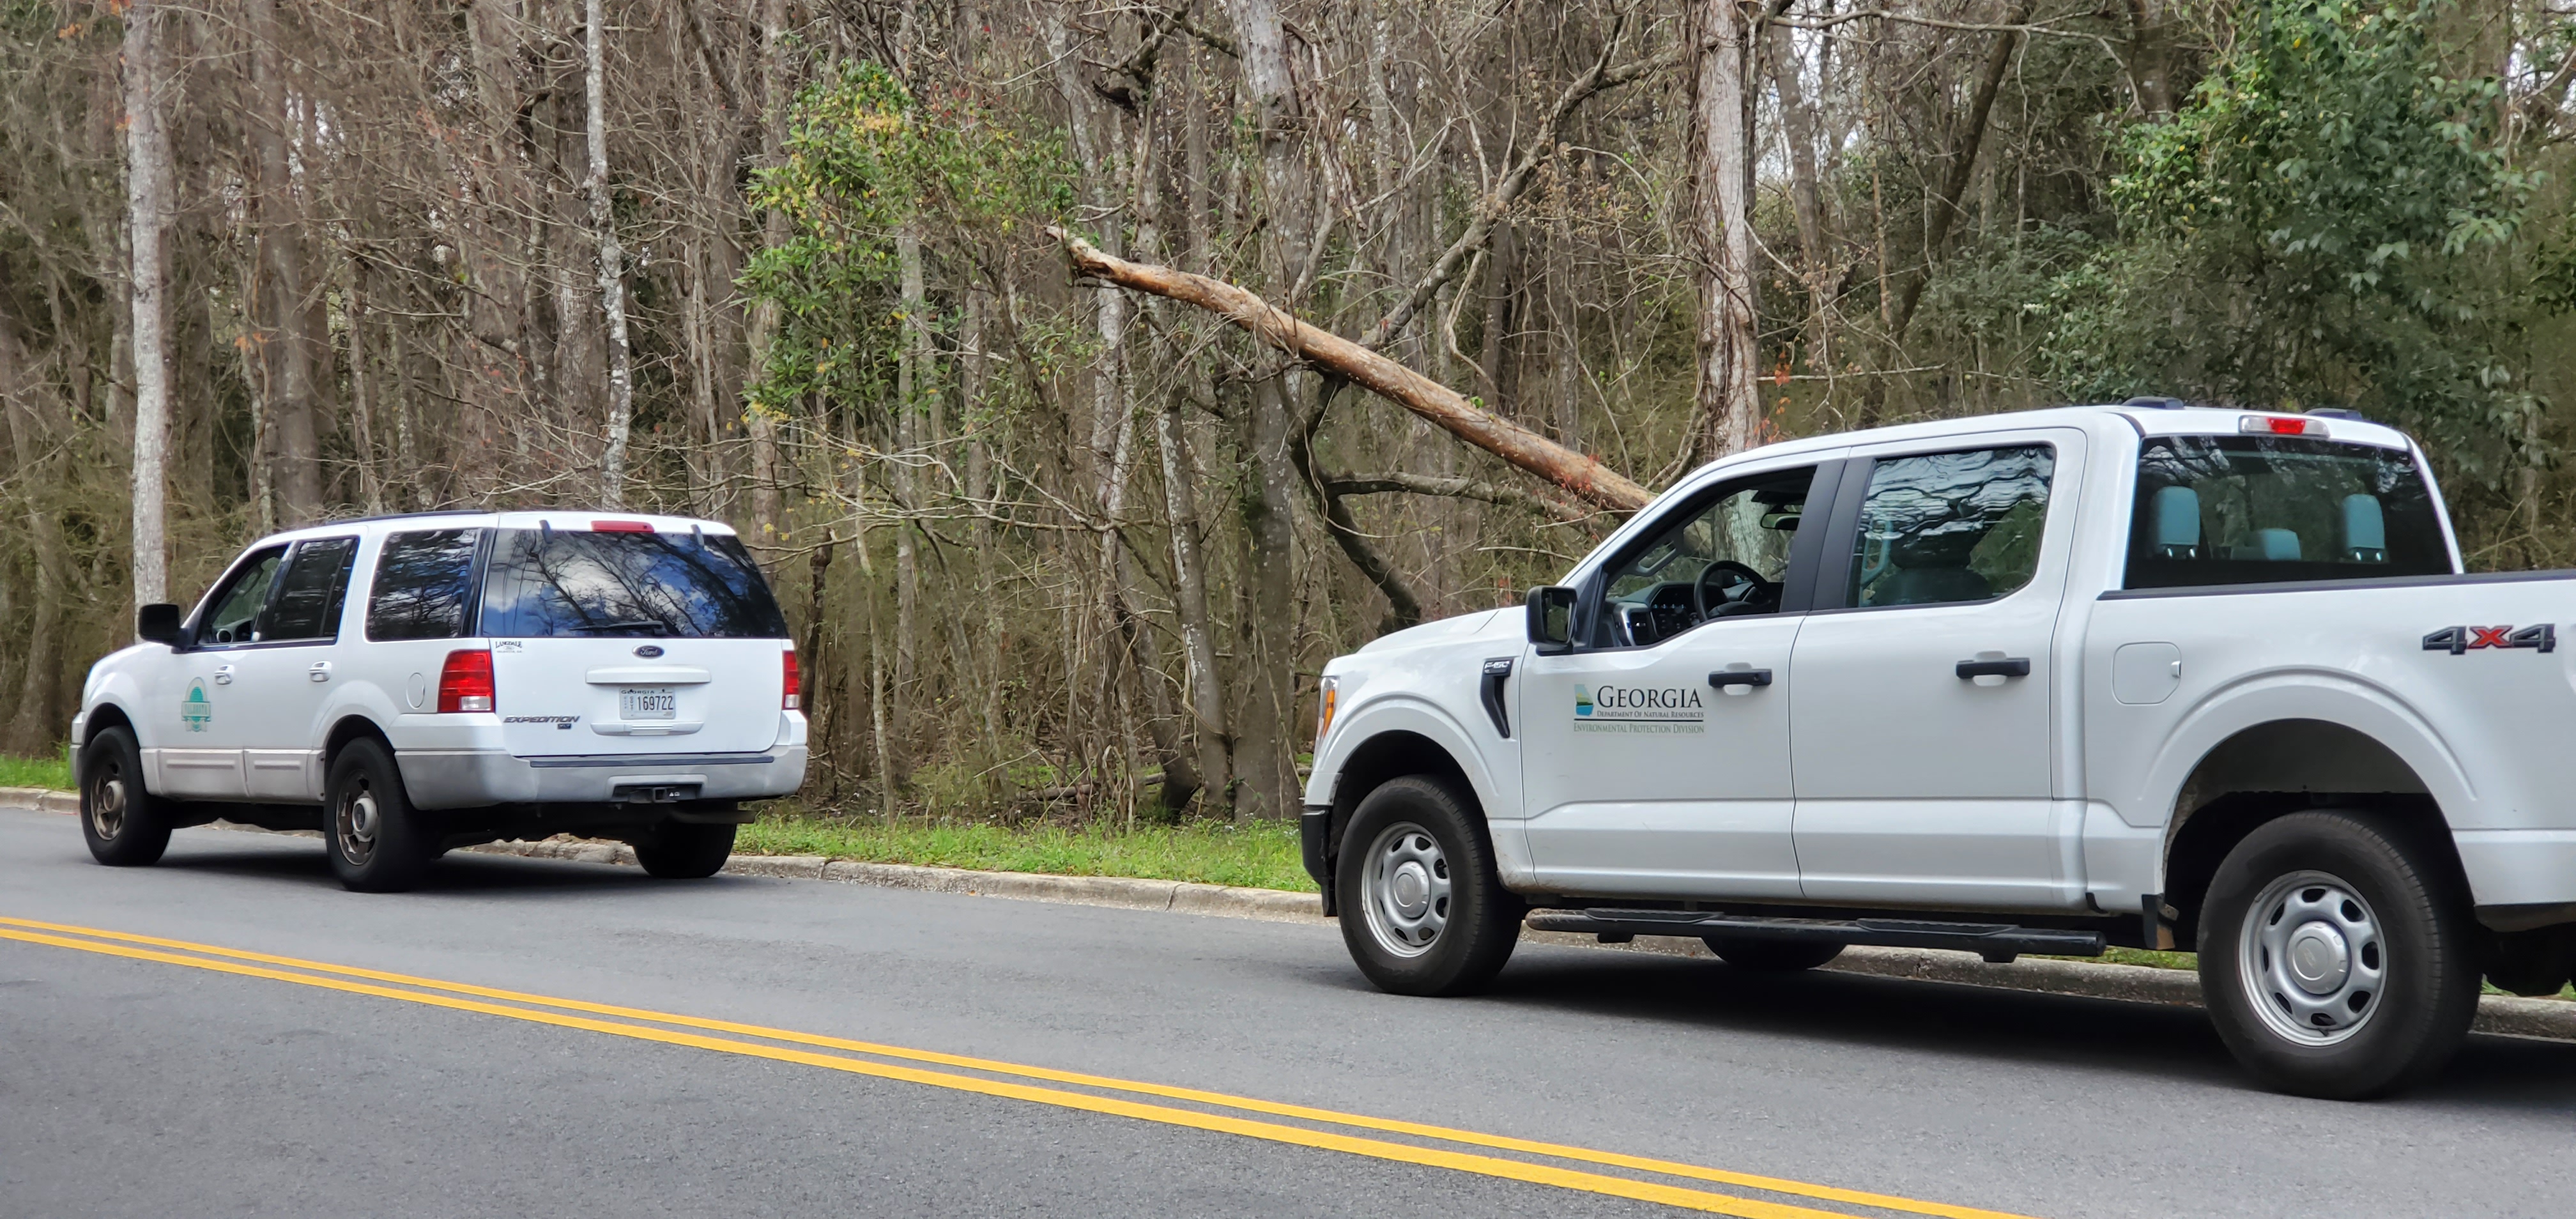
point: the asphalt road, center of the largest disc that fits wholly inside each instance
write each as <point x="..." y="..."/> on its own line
<point x="164" y="1087"/>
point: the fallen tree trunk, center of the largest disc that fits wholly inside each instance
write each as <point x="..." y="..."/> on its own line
<point x="1580" y="475"/>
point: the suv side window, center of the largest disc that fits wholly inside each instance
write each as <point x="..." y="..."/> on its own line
<point x="234" y="609"/>
<point x="423" y="585"/>
<point x="308" y="600"/>
<point x="1937" y="528"/>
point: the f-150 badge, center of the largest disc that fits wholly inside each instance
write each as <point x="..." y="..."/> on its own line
<point x="2459" y="640"/>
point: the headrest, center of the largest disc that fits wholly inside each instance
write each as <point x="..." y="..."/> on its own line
<point x="2174" y="514"/>
<point x="1935" y="547"/>
<point x="2272" y="546"/>
<point x="2365" y="530"/>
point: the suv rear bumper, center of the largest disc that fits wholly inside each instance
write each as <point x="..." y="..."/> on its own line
<point x="475" y="778"/>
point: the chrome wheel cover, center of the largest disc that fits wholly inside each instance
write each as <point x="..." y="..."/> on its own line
<point x="1405" y="890"/>
<point x="107" y="805"/>
<point x="354" y="824"/>
<point x="2311" y="958"/>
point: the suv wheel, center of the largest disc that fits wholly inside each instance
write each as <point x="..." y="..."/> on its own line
<point x="1764" y="956"/>
<point x="2336" y="962"/>
<point x="1421" y="907"/>
<point x="376" y="840"/>
<point x="124" y="825"/>
<point x="680" y="850"/>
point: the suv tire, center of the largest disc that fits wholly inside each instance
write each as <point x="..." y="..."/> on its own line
<point x="2339" y="960"/>
<point x="1765" y="956"/>
<point x="1421" y="907"/>
<point x="680" y="850"/>
<point x="377" y="842"/>
<point x="125" y="825"/>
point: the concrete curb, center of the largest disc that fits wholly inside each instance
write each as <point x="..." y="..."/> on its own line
<point x="2504" y="1015"/>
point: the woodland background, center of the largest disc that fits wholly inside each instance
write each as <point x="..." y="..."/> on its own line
<point x="1053" y="547"/>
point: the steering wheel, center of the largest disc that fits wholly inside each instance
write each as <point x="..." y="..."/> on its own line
<point x="1710" y="599"/>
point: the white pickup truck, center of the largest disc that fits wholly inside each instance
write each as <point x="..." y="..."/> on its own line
<point x="2048" y="682"/>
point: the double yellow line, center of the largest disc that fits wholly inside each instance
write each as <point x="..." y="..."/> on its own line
<point x="1432" y="1146"/>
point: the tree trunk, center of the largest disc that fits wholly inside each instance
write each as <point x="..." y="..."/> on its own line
<point x="1729" y="407"/>
<point x="147" y="199"/>
<point x="2151" y="59"/>
<point x="612" y="265"/>
<point x="1963" y="169"/>
<point x="1798" y="124"/>
<point x="759" y="419"/>
<point x="1190" y="606"/>
<point x="295" y="452"/>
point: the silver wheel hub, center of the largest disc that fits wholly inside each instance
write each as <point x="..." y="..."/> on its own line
<point x="2312" y="959"/>
<point x="354" y="829"/>
<point x="107" y="807"/>
<point x="1405" y="890"/>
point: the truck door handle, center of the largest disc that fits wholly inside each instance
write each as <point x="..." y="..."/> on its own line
<point x="321" y="671"/>
<point x="2018" y="666"/>
<point x="1497" y="671"/>
<point x="1739" y="677"/>
<point x="223" y="675"/>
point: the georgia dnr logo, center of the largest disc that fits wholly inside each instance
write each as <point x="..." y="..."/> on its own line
<point x="1644" y="710"/>
<point x="194" y="710"/>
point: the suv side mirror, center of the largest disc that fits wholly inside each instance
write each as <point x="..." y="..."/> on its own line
<point x="157" y="623"/>
<point x="1551" y="618"/>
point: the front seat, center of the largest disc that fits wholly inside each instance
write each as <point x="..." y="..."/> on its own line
<point x="1931" y="569"/>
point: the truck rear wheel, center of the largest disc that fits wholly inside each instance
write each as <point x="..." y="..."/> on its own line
<point x="375" y="838"/>
<point x="1421" y="907"/>
<point x="2336" y="961"/>
<point x="124" y="825"/>
<point x="678" y="850"/>
<point x="1770" y="956"/>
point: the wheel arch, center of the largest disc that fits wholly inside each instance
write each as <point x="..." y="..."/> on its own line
<point x="1392" y="753"/>
<point x="99" y="718"/>
<point x="354" y="726"/>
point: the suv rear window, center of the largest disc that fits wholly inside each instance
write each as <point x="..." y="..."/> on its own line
<point x="424" y="584"/>
<point x="2257" y="509"/>
<point x="569" y="584"/>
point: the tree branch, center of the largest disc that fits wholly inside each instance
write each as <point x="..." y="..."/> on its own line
<point x="1396" y="481"/>
<point x="1580" y="475"/>
<point x="1963" y="168"/>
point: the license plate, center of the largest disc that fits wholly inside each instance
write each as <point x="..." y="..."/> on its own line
<point x="652" y="703"/>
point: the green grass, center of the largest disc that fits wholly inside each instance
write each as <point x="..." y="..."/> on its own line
<point x="54" y="772"/>
<point x="1259" y="855"/>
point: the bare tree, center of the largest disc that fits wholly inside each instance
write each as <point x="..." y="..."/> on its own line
<point x="147" y="210"/>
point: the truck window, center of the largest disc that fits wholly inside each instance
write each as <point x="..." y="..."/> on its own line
<point x="237" y="604"/>
<point x="565" y="583"/>
<point x="423" y="585"/>
<point x="1937" y="528"/>
<point x="309" y="597"/>
<point x="1716" y="557"/>
<point x="2256" y="509"/>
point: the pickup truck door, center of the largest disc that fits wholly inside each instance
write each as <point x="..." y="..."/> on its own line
<point x="281" y="682"/>
<point x="1922" y="729"/>
<point x="1657" y="758"/>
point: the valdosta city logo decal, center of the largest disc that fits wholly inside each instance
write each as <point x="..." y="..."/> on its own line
<point x="194" y="710"/>
<point x="1646" y="710"/>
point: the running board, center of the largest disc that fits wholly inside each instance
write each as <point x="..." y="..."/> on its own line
<point x="1996" y="942"/>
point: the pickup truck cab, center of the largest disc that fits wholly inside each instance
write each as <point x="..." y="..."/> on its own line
<point x="409" y="685"/>
<point x="2044" y="682"/>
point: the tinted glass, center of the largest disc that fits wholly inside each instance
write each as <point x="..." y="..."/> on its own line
<point x="2253" y="509"/>
<point x="679" y="585"/>
<point x="1945" y="527"/>
<point x="236" y="606"/>
<point x="423" y="585"/>
<point x="308" y="600"/>
<point x="1721" y="557"/>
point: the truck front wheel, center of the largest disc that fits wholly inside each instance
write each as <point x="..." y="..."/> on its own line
<point x="125" y="825"/>
<point x="1421" y="907"/>
<point x="2336" y="963"/>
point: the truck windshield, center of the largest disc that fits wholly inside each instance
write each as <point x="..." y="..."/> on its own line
<point x="554" y="583"/>
<point x="2258" y="509"/>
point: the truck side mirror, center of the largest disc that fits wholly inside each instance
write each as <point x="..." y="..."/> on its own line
<point x="1551" y="618"/>
<point x="157" y="623"/>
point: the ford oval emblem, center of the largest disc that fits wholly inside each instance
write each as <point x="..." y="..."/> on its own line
<point x="649" y="651"/>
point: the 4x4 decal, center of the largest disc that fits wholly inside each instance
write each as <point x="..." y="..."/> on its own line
<point x="2458" y="640"/>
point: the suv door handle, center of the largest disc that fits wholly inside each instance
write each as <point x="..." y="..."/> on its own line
<point x="1754" y="678"/>
<point x="321" y="671"/>
<point x="2018" y="666"/>
<point x="1497" y="671"/>
<point x="223" y="675"/>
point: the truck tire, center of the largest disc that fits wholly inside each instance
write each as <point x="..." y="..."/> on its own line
<point x="2338" y="960"/>
<point x="125" y="825"/>
<point x="677" y="850"/>
<point x="1421" y="907"/>
<point x="1763" y="956"/>
<point x="377" y="842"/>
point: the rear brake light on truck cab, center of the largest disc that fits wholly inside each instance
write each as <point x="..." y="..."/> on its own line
<point x="795" y="697"/>
<point x="621" y="526"/>
<point x="465" y="683"/>
<point x="2280" y="425"/>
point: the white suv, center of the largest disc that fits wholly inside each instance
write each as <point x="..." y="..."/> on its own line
<point x="408" y="685"/>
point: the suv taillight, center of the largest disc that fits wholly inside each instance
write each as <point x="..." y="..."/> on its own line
<point x="795" y="686"/>
<point x="466" y="683"/>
